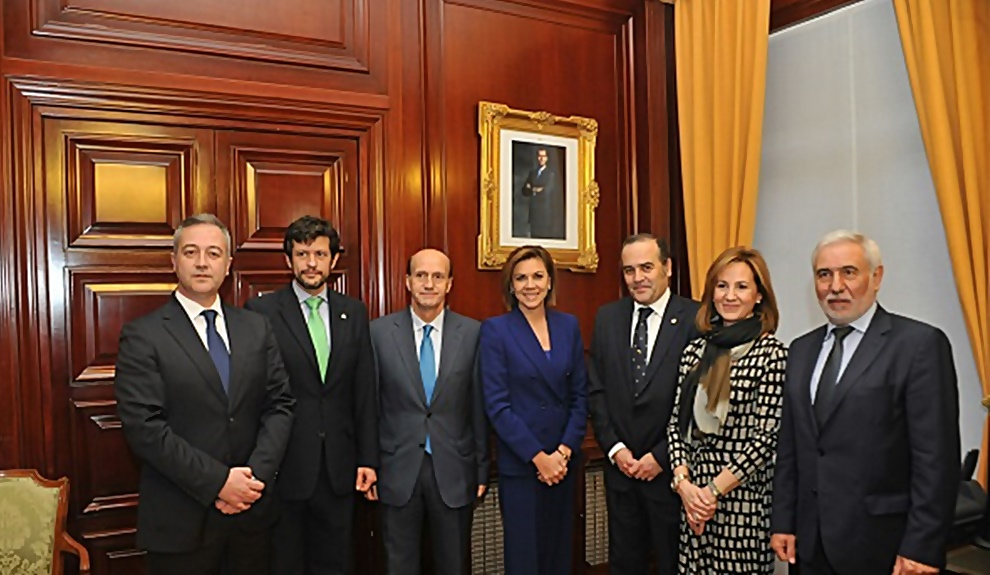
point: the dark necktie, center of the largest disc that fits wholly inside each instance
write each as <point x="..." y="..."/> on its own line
<point x="830" y="374"/>
<point x="218" y="351"/>
<point x="640" y="349"/>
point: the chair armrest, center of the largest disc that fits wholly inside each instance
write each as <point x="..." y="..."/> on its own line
<point x="70" y="545"/>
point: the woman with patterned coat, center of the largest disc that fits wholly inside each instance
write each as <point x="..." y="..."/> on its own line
<point x="723" y="430"/>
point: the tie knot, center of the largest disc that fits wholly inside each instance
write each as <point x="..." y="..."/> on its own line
<point x="427" y="330"/>
<point x="314" y="303"/>
<point x="645" y="312"/>
<point x="840" y="333"/>
<point x="210" y="315"/>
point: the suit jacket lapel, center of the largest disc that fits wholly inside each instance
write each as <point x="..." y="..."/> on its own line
<point x="339" y="334"/>
<point x="236" y="329"/>
<point x="289" y="308"/>
<point x="806" y="402"/>
<point x="670" y="323"/>
<point x="405" y="342"/>
<point x="178" y="325"/>
<point x="531" y="348"/>
<point x="868" y="349"/>
<point x="448" y="351"/>
<point x="623" y="339"/>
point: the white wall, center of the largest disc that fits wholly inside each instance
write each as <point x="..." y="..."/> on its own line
<point x="842" y="149"/>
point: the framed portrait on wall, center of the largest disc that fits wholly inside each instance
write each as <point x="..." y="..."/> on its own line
<point x="537" y="186"/>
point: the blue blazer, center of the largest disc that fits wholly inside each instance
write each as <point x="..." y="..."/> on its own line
<point x="534" y="403"/>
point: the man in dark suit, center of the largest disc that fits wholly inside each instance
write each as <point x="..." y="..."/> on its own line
<point x="635" y="352"/>
<point x="333" y="450"/>
<point x="546" y="201"/>
<point x="868" y="455"/>
<point x="204" y="402"/>
<point x="432" y="427"/>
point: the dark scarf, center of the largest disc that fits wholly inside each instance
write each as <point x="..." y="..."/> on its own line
<point x="719" y="342"/>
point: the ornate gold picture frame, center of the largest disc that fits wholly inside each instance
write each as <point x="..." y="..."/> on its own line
<point x="537" y="186"/>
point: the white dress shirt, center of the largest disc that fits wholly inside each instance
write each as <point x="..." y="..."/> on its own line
<point x="435" y="336"/>
<point x="195" y="313"/>
<point x="653" y="323"/>
<point x="849" y="345"/>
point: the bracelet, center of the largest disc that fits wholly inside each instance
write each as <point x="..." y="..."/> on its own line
<point x="714" y="489"/>
<point x="677" y="481"/>
<point x="566" y="457"/>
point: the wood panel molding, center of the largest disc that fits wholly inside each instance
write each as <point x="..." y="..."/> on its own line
<point x="250" y="32"/>
<point x="786" y="13"/>
<point x="105" y="476"/>
<point x="102" y="300"/>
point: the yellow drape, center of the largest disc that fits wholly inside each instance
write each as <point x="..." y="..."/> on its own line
<point x="947" y="49"/>
<point x="721" y="53"/>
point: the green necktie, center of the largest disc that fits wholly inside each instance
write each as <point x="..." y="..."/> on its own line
<point x="318" y="333"/>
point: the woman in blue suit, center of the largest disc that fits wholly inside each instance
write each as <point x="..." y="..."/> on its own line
<point x="533" y="376"/>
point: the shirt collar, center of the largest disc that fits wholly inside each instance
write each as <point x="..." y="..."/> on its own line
<point x="193" y="309"/>
<point x="659" y="307"/>
<point x="302" y="295"/>
<point x="861" y="324"/>
<point x="419" y="324"/>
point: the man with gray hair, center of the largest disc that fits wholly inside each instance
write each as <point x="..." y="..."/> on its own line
<point x="868" y="455"/>
<point x="204" y="403"/>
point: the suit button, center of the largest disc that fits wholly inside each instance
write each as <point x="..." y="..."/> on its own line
<point x="814" y="492"/>
<point x="821" y="452"/>
<point x="429" y="415"/>
<point x="543" y="406"/>
<point x="232" y="420"/>
<point x="422" y="445"/>
<point x="636" y="394"/>
<point x="322" y="434"/>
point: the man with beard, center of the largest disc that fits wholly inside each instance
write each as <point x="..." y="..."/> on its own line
<point x="434" y="437"/>
<point x="868" y="455"/>
<point x="333" y="451"/>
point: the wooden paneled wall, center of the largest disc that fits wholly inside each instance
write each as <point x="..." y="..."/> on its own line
<point x="118" y="119"/>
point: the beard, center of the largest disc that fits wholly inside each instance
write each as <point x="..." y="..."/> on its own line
<point x="312" y="282"/>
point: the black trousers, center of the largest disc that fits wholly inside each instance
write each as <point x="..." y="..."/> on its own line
<point x="314" y="536"/>
<point x="639" y="525"/>
<point x="449" y="528"/>
<point x="226" y="550"/>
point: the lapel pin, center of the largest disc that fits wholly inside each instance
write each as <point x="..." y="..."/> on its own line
<point x="343" y="316"/>
<point x="673" y="320"/>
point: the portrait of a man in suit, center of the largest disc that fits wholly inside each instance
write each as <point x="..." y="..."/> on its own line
<point x="539" y="198"/>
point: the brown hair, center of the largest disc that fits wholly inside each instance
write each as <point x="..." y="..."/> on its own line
<point x="716" y="381"/>
<point x="518" y="256"/>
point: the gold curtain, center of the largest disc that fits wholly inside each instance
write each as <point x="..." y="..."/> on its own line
<point x="721" y="53"/>
<point x="947" y="48"/>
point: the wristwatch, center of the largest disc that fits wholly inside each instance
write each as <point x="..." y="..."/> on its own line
<point x="677" y="481"/>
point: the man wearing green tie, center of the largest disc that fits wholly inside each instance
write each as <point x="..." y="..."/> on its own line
<point x="333" y="451"/>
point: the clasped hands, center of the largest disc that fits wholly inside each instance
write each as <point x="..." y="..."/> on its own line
<point x="239" y="492"/>
<point x="552" y="468"/>
<point x="699" y="504"/>
<point x="645" y="468"/>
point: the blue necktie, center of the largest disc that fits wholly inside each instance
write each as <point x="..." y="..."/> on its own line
<point x="427" y="370"/>
<point x="218" y="351"/>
